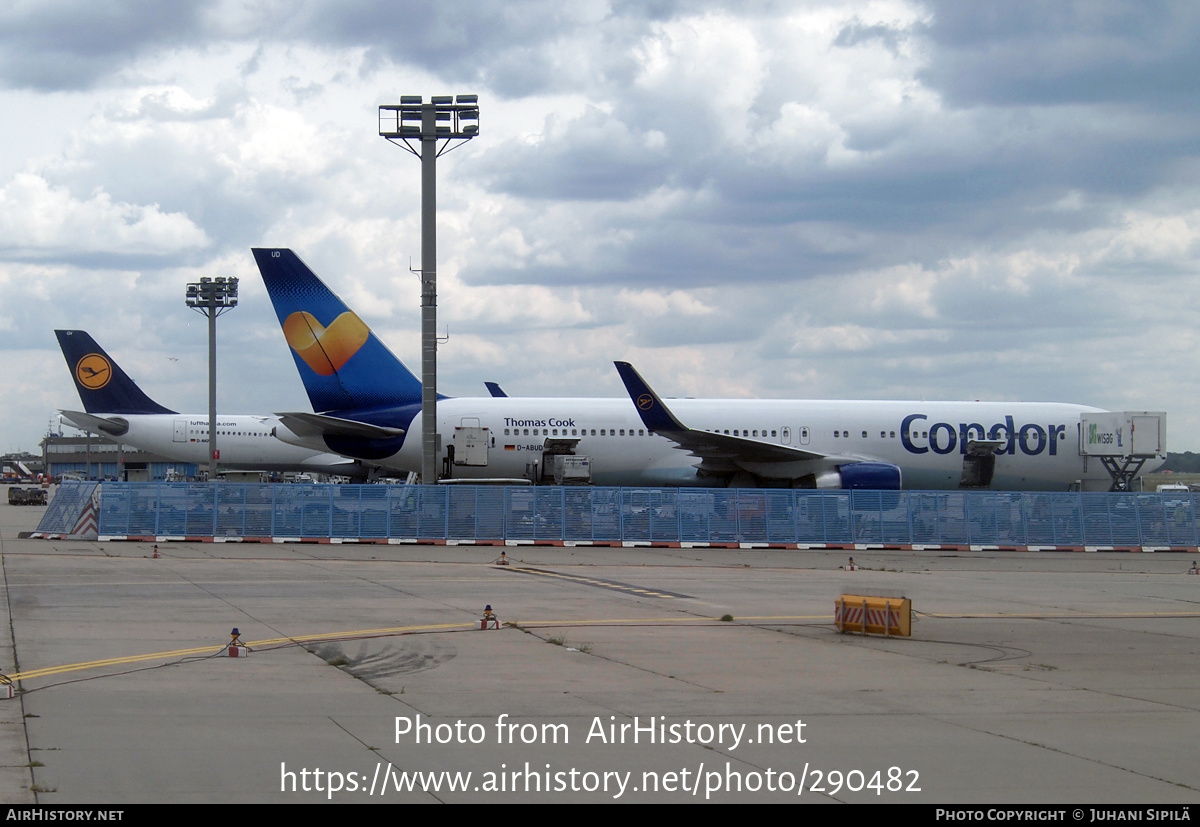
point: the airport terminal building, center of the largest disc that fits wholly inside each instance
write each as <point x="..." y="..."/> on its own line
<point x="99" y="457"/>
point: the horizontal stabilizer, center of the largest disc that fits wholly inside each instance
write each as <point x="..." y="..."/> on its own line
<point x="111" y="425"/>
<point x="309" y="424"/>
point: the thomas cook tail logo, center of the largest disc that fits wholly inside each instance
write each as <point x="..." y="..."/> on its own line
<point x="645" y="402"/>
<point x="325" y="349"/>
<point x="93" y="371"/>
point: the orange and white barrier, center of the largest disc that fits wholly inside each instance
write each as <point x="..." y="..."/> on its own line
<point x="889" y="616"/>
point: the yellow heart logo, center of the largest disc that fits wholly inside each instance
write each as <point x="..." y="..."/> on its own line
<point x="325" y="349"/>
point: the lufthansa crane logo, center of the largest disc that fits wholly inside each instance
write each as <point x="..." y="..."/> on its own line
<point x="645" y="402"/>
<point x="93" y="371"/>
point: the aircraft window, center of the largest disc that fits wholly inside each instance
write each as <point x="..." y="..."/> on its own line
<point x="573" y="432"/>
<point x="864" y="436"/>
<point x="846" y="434"/>
<point x="773" y="432"/>
<point x="835" y="434"/>
<point x="556" y="431"/>
<point x="756" y="433"/>
<point x="893" y="434"/>
<point x="726" y="432"/>
<point x="593" y="431"/>
<point x="925" y="433"/>
<point x="641" y="432"/>
<point x="882" y="434"/>
<point x="622" y="432"/>
<point x="526" y="432"/>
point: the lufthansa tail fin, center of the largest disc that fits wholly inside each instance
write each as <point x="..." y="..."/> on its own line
<point x="103" y="387"/>
<point x="342" y="363"/>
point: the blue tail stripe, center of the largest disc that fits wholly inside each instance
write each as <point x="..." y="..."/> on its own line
<point x="103" y="387"/>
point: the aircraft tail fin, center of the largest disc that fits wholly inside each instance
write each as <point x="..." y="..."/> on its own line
<point x="103" y="387"/>
<point x="655" y="414"/>
<point x="343" y="365"/>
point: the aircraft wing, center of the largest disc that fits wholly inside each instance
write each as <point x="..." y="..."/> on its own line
<point x="111" y="425"/>
<point x="712" y="449"/>
<point x="311" y="424"/>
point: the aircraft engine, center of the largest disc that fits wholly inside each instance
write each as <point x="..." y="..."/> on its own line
<point x="876" y="476"/>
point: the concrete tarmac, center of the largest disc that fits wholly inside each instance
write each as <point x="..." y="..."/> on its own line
<point x="1030" y="678"/>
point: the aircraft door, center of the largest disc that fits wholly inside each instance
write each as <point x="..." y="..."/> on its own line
<point x="785" y="435"/>
<point x="804" y="434"/>
<point x="470" y="442"/>
<point x="180" y="434"/>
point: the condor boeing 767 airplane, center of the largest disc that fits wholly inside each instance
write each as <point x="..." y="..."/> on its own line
<point x="367" y="404"/>
<point x="116" y="406"/>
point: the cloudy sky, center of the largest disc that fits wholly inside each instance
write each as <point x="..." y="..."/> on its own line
<point x="905" y="200"/>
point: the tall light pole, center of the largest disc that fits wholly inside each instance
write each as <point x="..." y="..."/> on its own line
<point x="211" y="298"/>
<point x="451" y="120"/>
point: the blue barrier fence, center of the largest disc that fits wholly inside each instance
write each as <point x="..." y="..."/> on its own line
<point x="545" y="514"/>
<point x="64" y="510"/>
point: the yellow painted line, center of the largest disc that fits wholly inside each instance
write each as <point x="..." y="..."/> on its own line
<point x="391" y="630"/>
<point x="203" y="650"/>
<point x="396" y="630"/>
<point x="361" y="632"/>
<point x="96" y="664"/>
<point x="617" y="622"/>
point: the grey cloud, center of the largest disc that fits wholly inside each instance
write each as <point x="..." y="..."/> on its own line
<point x="1029" y="52"/>
<point x="857" y="32"/>
<point x="595" y="157"/>
<point x="73" y="44"/>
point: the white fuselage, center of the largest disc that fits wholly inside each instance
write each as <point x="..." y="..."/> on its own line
<point x="245" y="442"/>
<point x="1039" y="450"/>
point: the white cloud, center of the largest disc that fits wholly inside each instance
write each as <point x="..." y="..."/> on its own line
<point x="43" y="221"/>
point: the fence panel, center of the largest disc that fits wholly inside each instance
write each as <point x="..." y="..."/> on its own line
<point x="646" y="514"/>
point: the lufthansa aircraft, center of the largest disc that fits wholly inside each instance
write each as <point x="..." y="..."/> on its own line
<point x="367" y="405"/>
<point x="116" y="406"/>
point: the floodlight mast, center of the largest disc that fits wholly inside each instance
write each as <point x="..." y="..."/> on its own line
<point x="453" y="120"/>
<point x="211" y="298"/>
